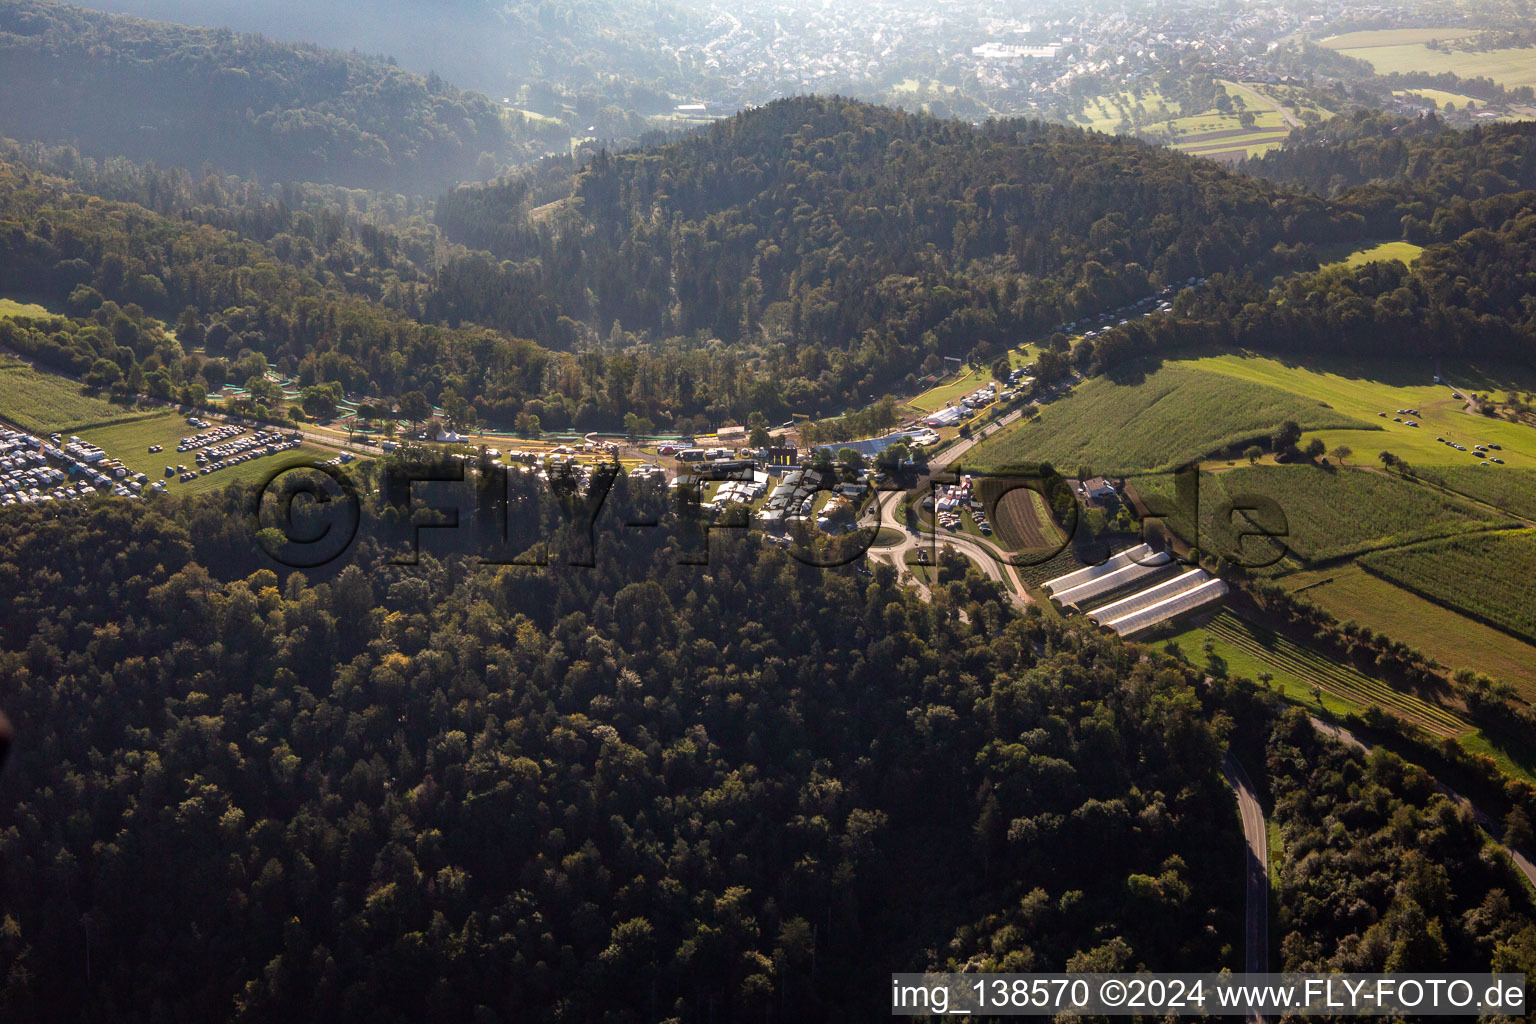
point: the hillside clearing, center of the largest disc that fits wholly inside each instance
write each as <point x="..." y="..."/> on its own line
<point x="1165" y="418"/>
<point x="1366" y="390"/>
<point x="1404" y="252"/>
<point x="129" y="441"/>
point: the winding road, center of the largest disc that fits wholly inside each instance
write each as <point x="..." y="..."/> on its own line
<point x="1256" y="866"/>
<point x="986" y="557"/>
<point x="1484" y="820"/>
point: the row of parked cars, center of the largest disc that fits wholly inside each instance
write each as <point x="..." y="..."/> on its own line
<point x="234" y="452"/>
<point x="1479" y="451"/>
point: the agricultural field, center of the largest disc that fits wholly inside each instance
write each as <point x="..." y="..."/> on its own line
<point x="1206" y="133"/>
<point x="1024" y="522"/>
<point x="1513" y="490"/>
<point x="1332" y="513"/>
<point x="46" y="402"/>
<point x="1167" y="417"/>
<point x="129" y="441"/>
<point x="1485" y="576"/>
<point x="1247" y="649"/>
<point x="1234" y="148"/>
<point x="1363" y="391"/>
<point x="1405" y="252"/>
<point x="1154" y="488"/>
<point x="1509" y="67"/>
<point x="1452" y="639"/>
<point x="1036" y="573"/>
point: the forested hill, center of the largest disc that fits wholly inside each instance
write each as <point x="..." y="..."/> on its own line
<point x="1419" y="154"/>
<point x="648" y="792"/>
<point x="114" y="85"/>
<point x="826" y="222"/>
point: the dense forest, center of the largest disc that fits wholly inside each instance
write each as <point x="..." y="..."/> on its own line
<point x="1397" y="154"/>
<point x="455" y="792"/>
<point x="844" y="246"/>
<point x="830" y="219"/>
<point x="813" y="277"/>
<point x="119" y="86"/>
<point x="1382" y="871"/>
<point x="1467" y="295"/>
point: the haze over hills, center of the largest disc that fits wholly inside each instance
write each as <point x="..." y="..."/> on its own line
<point x="113" y="85"/>
<point x="479" y="44"/>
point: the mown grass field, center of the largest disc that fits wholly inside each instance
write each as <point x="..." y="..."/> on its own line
<point x="45" y="402"/>
<point x="1441" y="97"/>
<point x="1405" y="252"/>
<point x="1361" y="391"/>
<point x="1452" y="639"/>
<point x="1509" y="67"/>
<point x="1487" y="577"/>
<point x="1247" y="649"/>
<point x="936" y="398"/>
<point x="1332" y="513"/>
<point x="1391" y="37"/>
<point x="130" y="441"/>
<point x="1167" y="417"/>
<point x="15" y="308"/>
<point x="950" y="392"/>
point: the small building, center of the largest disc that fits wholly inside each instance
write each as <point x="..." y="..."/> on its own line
<point x="1095" y="490"/>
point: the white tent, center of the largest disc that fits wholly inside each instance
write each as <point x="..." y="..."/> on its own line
<point x="1139" y="553"/>
<point x="1149" y="597"/>
<point x="1188" y="600"/>
<point x="1105" y="582"/>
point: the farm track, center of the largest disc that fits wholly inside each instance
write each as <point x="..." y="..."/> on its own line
<point x="1335" y="678"/>
<point x="1285" y="115"/>
<point x="1354" y="556"/>
<point x="1435" y="485"/>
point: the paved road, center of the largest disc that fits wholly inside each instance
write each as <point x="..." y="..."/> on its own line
<point x="949" y="455"/>
<point x="982" y="554"/>
<point x="1484" y="820"/>
<point x="1256" y="867"/>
